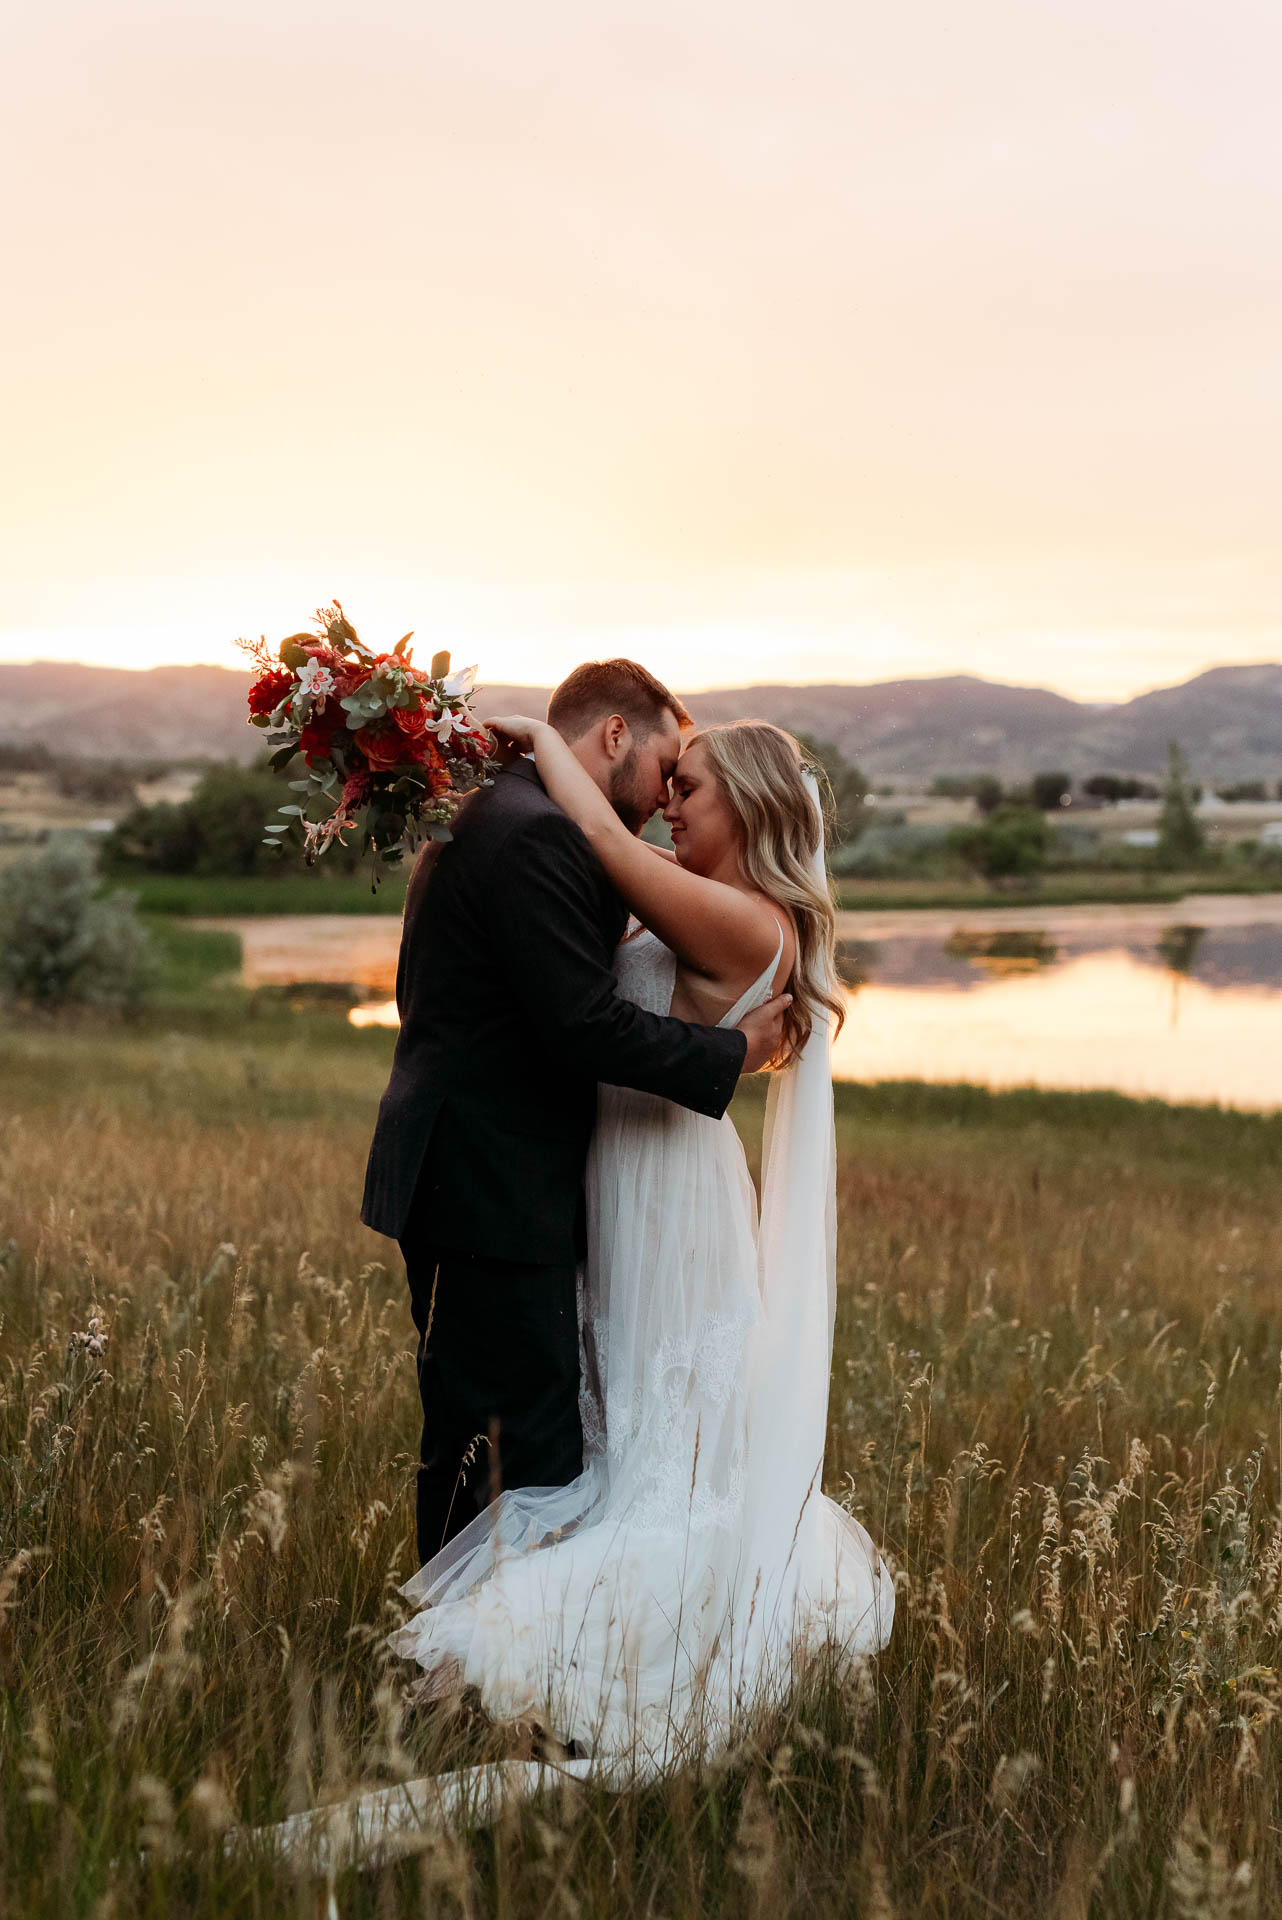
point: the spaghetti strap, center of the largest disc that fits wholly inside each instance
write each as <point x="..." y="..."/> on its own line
<point x="758" y="993"/>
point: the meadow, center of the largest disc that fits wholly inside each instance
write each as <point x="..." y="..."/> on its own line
<point x="1055" y="1402"/>
<point x="185" y="895"/>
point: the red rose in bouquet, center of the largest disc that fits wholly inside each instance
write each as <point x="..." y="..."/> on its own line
<point x="267" y="693"/>
<point x="413" y="723"/>
<point x="382" y="747"/>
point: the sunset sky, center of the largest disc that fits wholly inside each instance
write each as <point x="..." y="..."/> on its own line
<point x="805" y="342"/>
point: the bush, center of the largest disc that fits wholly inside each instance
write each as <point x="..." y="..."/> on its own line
<point x="229" y="809"/>
<point x="1115" y="786"/>
<point x="1011" y="844"/>
<point x="160" y="839"/>
<point x="1050" y="790"/>
<point x="219" y="830"/>
<point x="59" y="945"/>
<point x="891" y="846"/>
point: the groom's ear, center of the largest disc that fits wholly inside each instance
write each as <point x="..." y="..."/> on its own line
<point x="615" y="736"/>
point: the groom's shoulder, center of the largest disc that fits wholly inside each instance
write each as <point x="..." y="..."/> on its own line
<point x="513" y="801"/>
<point x="517" y="809"/>
<point x="518" y="793"/>
<point x="507" y="834"/>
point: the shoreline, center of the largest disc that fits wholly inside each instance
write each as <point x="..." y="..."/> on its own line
<point x="1200" y="909"/>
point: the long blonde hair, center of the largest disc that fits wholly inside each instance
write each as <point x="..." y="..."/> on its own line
<point x="758" y="768"/>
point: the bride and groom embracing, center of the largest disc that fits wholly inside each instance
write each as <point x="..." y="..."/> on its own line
<point x="623" y="1361"/>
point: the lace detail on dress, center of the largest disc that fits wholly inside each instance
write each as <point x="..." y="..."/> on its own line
<point x="664" y="1420"/>
<point x="645" y="972"/>
<point x="591" y="1411"/>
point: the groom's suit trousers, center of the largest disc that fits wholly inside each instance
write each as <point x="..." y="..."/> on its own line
<point x="498" y="1375"/>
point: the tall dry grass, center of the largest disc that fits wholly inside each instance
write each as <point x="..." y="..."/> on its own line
<point x="1055" y="1401"/>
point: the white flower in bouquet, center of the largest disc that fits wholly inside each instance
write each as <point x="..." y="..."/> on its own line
<point x="316" y="679"/>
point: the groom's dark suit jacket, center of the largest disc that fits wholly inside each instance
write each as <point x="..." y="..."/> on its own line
<point x="509" y="1018"/>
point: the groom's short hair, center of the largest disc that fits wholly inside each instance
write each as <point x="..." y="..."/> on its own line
<point x="602" y="687"/>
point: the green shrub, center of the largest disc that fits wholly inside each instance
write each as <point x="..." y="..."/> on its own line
<point x="219" y="831"/>
<point x="1011" y="844"/>
<point x="59" y="945"/>
<point x="1051" y="790"/>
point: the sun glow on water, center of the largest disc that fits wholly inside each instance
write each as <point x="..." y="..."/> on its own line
<point x="1103" y="1020"/>
<point x="1099" y="1019"/>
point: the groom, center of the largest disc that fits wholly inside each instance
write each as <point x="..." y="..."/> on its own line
<point x="509" y="1018"/>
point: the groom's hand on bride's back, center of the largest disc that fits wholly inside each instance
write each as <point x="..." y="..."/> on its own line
<point x="763" y="1030"/>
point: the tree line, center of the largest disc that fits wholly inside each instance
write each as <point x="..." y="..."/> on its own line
<point x="217" y="830"/>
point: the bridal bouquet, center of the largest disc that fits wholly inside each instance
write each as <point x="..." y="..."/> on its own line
<point x="385" y="747"/>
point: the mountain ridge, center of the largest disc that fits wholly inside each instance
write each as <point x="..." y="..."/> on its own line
<point x="1228" y="719"/>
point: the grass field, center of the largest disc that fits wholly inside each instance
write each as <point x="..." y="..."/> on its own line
<point x="303" y="892"/>
<point x="1055" y="1402"/>
<point x="1055" y="889"/>
<point x="295" y="890"/>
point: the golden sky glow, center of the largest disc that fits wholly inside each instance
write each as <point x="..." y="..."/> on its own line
<point x="811" y="342"/>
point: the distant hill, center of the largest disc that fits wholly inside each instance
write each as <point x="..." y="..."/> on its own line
<point x="1229" y="720"/>
<point x="107" y="712"/>
<point x="911" y="729"/>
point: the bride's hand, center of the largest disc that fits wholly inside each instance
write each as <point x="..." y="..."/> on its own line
<point x="516" y="730"/>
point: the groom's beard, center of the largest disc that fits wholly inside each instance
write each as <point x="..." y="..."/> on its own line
<point x="632" y="806"/>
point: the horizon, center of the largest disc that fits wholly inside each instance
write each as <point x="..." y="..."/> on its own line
<point x="726" y="654"/>
<point x="726" y="686"/>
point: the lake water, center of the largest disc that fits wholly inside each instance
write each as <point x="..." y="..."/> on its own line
<point x="1181" y="1003"/>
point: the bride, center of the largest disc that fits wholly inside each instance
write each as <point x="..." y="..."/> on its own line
<point x="638" y="1610"/>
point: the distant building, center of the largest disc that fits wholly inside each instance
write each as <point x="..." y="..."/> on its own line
<point x="1141" y="836"/>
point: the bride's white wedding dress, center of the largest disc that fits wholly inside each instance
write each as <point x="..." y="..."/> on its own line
<point x="671" y="1585"/>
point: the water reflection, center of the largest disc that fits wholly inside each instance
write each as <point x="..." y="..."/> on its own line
<point x="1096" y="1020"/>
<point x="1180" y="1009"/>
<point x="1180" y="1012"/>
<point x="935" y="949"/>
<point x="1001" y="953"/>
<point x="1178" y="947"/>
